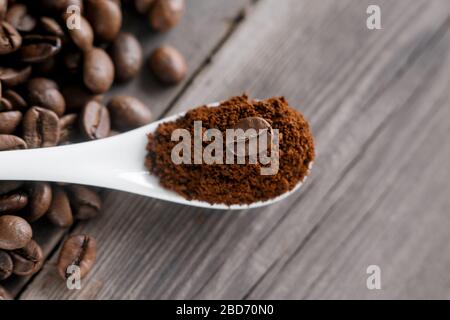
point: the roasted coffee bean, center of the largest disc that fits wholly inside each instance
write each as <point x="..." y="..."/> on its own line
<point x="67" y="127"/>
<point x="255" y="123"/>
<point x="13" y="202"/>
<point x="13" y="77"/>
<point x="98" y="70"/>
<point x="9" y="121"/>
<point x="168" y="65"/>
<point x="19" y="18"/>
<point x="59" y="6"/>
<point x="77" y="96"/>
<point x="6" y="266"/>
<point x="4" y="294"/>
<point x="40" y="198"/>
<point x="8" y="186"/>
<point x="83" y="37"/>
<point x="126" y="53"/>
<point x="10" y="39"/>
<point x="128" y="113"/>
<point x="60" y="213"/>
<point x="27" y="260"/>
<point x="16" y="101"/>
<point x="95" y="122"/>
<point x="86" y="203"/>
<point x="37" y="48"/>
<point x="143" y="6"/>
<point x="51" y="26"/>
<point x="3" y="8"/>
<point x="40" y="128"/>
<point x="68" y="121"/>
<point x="41" y="84"/>
<point x="165" y="14"/>
<point x="10" y="142"/>
<point x="105" y="17"/>
<point x="77" y="250"/>
<point x="15" y="232"/>
<point x="44" y="93"/>
<point x="5" y="105"/>
<point x="260" y="126"/>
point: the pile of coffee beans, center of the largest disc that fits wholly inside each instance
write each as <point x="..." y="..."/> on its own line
<point x="57" y="60"/>
<point x="78" y="250"/>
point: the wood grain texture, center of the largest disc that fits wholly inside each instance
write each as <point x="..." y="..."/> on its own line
<point x="378" y="102"/>
<point x="397" y="216"/>
<point x="194" y="41"/>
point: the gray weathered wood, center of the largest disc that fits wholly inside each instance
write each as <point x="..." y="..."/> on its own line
<point x="397" y="216"/>
<point x="378" y="103"/>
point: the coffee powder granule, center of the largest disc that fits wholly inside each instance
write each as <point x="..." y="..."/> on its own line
<point x="234" y="183"/>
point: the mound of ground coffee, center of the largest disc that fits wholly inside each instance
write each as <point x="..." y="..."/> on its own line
<point x="234" y="183"/>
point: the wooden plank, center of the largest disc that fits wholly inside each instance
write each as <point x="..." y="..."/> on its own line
<point x="194" y="41"/>
<point x="321" y="56"/>
<point x="396" y="217"/>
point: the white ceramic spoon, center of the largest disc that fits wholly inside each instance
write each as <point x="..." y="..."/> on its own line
<point x="114" y="163"/>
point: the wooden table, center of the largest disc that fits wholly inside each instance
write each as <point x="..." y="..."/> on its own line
<point x="379" y="104"/>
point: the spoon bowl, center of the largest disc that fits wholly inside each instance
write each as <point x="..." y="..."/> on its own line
<point x="114" y="163"/>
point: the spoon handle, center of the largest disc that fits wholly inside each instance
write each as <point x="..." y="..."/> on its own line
<point x="97" y="163"/>
<point x="72" y="163"/>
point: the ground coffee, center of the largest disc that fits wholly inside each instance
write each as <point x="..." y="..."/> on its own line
<point x="234" y="183"/>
